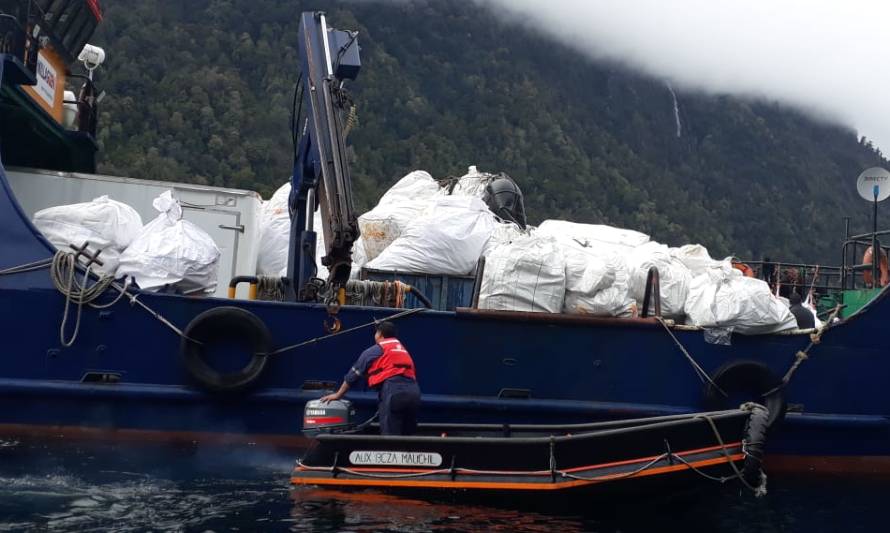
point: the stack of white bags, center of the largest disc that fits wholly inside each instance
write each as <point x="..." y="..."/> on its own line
<point x="420" y="227"/>
<point x="105" y="224"/>
<point x="559" y="267"/>
<point x="168" y="251"/>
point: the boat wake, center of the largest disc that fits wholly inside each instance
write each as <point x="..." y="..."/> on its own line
<point x="67" y="503"/>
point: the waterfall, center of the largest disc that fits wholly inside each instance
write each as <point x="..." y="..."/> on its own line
<point x="676" y="111"/>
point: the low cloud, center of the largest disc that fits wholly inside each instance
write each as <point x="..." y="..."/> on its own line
<point x="831" y="59"/>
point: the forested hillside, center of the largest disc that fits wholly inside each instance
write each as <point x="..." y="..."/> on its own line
<point x="201" y="91"/>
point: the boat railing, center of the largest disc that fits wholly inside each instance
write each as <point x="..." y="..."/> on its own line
<point x="799" y="277"/>
<point x="853" y="254"/>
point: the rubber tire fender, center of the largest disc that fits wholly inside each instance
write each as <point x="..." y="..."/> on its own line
<point x="756" y="429"/>
<point x="751" y="379"/>
<point x="225" y="321"/>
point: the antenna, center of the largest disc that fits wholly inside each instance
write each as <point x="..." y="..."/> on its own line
<point x="873" y="186"/>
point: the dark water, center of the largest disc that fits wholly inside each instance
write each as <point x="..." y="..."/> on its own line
<point x="57" y="485"/>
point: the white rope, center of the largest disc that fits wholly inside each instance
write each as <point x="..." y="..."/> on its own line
<point x="63" y="274"/>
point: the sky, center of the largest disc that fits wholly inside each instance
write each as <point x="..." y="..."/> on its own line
<point x="829" y="59"/>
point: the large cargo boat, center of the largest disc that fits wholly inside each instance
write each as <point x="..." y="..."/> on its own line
<point x="134" y="370"/>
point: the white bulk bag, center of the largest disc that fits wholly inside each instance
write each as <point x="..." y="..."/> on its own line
<point x="170" y="250"/>
<point x="472" y="183"/>
<point x="696" y="258"/>
<point x="448" y="239"/>
<point x="586" y="270"/>
<point x="612" y="299"/>
<point x="275" y="236"/>
<point x="673" y="277"/>
<point x="401" y="205"/>
<point x="723" y="297"/>
<point x="600" y="237"/>
<point x="358" y="258"/>
<point x="503" y="233"/>
<point x="527" y="274"/>
<point x="106" y="224"/>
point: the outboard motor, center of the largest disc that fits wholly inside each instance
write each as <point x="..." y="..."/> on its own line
<point x="504" y="198"/>
<point x="320" y="417"/>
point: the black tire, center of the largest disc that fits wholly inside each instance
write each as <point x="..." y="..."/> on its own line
<point x="747" y="381"/>
<point x="221" y="323"/>
<point x="755" y="440"/>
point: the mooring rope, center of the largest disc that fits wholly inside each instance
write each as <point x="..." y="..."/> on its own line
<point x="702" y="375"/>
<point x="759" y="490"/>
<point x="803" y="355"/>
<point x="348" y="330"/>
<point x="27" y="267"/>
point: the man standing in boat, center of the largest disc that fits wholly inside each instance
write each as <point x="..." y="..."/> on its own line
<point x="389" y="369"/>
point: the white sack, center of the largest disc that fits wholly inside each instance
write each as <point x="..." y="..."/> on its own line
<point x="106" y="224"/>
<point x="612" y="299"/>
<point x="401" y="205"/>
<point x="696" y="258"/>
<point x="587" y="274"/>
<point x="448" y="239"/>
<point x="472" y="183"/>
<point x="527" y="274"/>
<point x="586" y="270"/>
<point x="673" y="277"/>
<point x="596" y="268"/>
<point x="723" y="297"/>
<point x="358" y="259"/>
<point x="503" y="233"/>
<point x="605" y="238"/>
<point x="275" y="236"/>
<point x="170" y="250"/>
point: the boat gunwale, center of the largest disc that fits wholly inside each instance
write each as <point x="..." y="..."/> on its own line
<point x="333" y="438"/>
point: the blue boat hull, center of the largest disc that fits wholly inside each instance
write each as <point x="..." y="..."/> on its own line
<point x="571" y="369"/>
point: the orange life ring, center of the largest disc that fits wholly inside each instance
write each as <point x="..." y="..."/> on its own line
<point x="883" y="266"/>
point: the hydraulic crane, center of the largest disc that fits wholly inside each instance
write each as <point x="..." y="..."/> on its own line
<point x="323" y="115"/>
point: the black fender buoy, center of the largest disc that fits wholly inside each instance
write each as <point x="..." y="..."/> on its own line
<point x="746" y="381"/>
<point x="222" y="324"/>
<point x="754" y="441"/>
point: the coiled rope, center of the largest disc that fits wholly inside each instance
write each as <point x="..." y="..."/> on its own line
<point x="77" y="291"/>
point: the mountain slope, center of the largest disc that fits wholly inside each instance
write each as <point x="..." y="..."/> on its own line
<point x="203" y="93"/>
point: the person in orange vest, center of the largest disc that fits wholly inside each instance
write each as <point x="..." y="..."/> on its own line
<point x="389" y="369"/>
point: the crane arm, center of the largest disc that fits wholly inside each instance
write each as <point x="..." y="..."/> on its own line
<point x="321" y="178"/>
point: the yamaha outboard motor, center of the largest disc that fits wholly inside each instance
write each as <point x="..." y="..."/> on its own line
<point x="504" y="198"/>
<point x="327" y="417"/>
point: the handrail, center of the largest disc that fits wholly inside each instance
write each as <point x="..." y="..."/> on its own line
<point x="653" y="292"/>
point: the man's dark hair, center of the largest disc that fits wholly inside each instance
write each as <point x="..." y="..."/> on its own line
<point x="794" y="299"/>
<point x="387" y="329"/>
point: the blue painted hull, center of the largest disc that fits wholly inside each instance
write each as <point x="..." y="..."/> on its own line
<point x="574" y="370"/>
